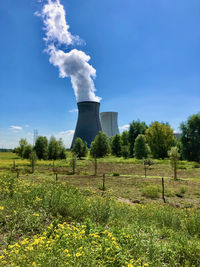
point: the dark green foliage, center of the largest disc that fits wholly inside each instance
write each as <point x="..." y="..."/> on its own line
<point x="190" y="138"/>
<point x="27" y="151"/>
<point x="125" y="151"/>
<point x="100" y="146"/>
<point x="160" y="138"/>
<point x="116" y="145"/>
<point x="62" y="153"/>
<point x="85" y="149"/>
<point x="141" y="149"/>
<point x="80" y="148"/>
<point x="125" y="138"/>
<point x="41" y="147"/>
<point x="136" y="128"/>
<point x="56" y="149"/>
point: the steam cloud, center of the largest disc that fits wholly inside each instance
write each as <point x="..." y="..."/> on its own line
<point x="73" y="64"/>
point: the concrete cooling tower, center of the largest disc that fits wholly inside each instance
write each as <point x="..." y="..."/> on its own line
<point x="109" y="123"/>
<point x="88" y="124"/>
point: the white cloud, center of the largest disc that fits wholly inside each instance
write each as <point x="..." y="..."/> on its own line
<point x="74" y="63"/>
<point x="16" y="128"/>
<point x="125" y="127"/>
<point x="66" y="136"/>
<point x="73" y="110"/>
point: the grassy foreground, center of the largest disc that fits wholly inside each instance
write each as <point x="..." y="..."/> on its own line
<point x="44" y="222"/>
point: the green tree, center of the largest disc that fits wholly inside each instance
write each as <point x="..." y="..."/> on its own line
<point x="41" y="147"/>
<point x="27" y="151"/>
<point x="79" y="148"/>
<point x="160" y="138"/>
<point x="33" y="159"/>
<point x="56" y="149"/>
<point x="100" y="146"/>
<point x="53" y="150"/>
<point x="141" y="149"/>
<point x="85" y="149"/>
<point x="136" y="128"/>
<point x="22" y="144"/>
<point x="116" y="145"/>
<point x="125" y="151"/>
<point x="61" y="150"/>
<point x="174" y="158"/>
<point x="190" y="138"/>
<point x="125" y="138"/>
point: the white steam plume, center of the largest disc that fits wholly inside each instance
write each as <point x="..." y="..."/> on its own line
<point x="73" y="64"/>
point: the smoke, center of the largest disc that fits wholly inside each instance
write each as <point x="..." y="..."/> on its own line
<point x="73" y="64"/>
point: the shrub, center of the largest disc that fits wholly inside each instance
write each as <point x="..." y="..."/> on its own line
<point x="151" y="192"/>
<point x="116" y="174"/>
<point x="182" y="190"/>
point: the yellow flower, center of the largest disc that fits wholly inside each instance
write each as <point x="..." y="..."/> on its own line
<point x="1" y="208"/>
<point x="36" y="214"/>
<point x="33" y="264"/>
<point x="66" y="250"/>
<point x="78" y="254"/>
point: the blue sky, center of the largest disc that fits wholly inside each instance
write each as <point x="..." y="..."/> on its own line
<point x="146" y="54"/>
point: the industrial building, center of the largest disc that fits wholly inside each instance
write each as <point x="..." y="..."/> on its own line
<point x="88" y="124"/>
<point x="109" y="123"/>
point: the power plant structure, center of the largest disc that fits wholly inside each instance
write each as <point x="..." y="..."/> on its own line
<point x="88" y="124"/>
<point x="109" y="123"/>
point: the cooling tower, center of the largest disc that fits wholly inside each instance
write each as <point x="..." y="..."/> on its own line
<point x="109" y="123"/>
<point x="88" y="124"/>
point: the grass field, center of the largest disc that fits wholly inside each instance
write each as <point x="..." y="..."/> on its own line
<point x="71" y="221"/>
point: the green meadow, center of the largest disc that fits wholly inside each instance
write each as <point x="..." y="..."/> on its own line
<point x="55" y="218"/>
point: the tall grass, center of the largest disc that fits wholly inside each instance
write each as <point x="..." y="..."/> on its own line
<point x="157" y="234"/>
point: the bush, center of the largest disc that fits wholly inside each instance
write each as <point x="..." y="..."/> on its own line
<point x="151" y="192"/>
<point x="182" y="190"/>
<point x="116" y="174"/>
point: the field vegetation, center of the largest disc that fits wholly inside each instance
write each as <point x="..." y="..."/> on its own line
<point x="55" y="218"/>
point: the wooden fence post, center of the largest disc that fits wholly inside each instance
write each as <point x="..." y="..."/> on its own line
<point x="104" y="179"/>
<point x="163" y="190"/>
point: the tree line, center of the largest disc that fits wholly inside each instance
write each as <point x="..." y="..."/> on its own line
<point x="155" y="141"/>
<point x="140" y="141"/>
<point x="43" y="149"/>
